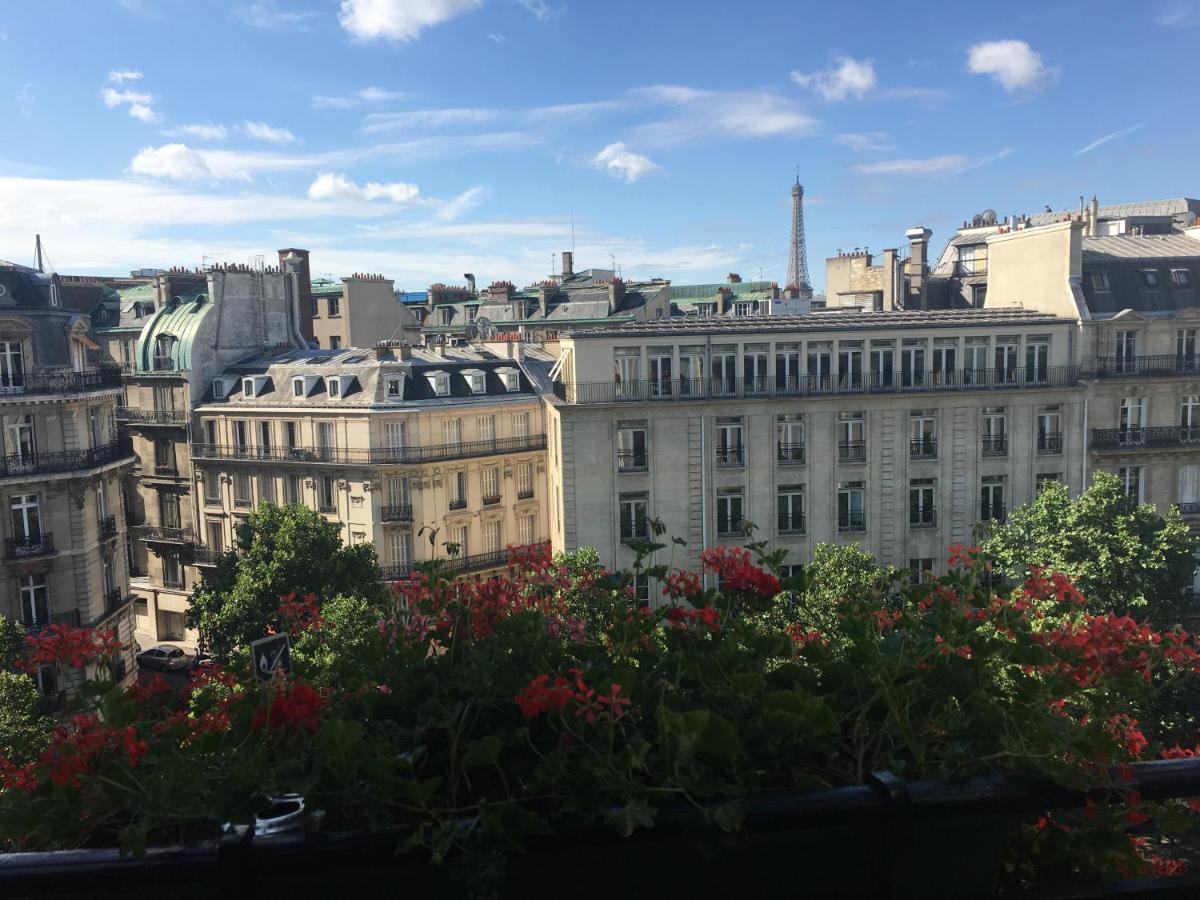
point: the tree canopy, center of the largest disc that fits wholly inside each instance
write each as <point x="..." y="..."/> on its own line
<point x="282" y="550"/>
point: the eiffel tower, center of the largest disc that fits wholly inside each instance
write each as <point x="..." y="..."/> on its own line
<point x="798" y="261"/>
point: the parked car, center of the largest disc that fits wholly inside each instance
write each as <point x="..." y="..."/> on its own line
<point x="202" y="661"/>
<point x="163" y="657"/>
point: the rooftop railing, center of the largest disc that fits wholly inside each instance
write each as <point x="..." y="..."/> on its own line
<point x="897" y="382"/>
<point x="376" y="456"/>
<point x="59" y="383"/>
<point x="1156" y="437"/>
<point x="63" y="460"/>
<point x="1154" y="366"/>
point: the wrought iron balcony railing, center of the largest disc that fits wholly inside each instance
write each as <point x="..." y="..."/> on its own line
<point x="460" y="503"/>
<point x="790" y="454"/>
<point x="525" y="494"/>
<point x="791" y="524"/>
<point x="922" y="518"/>
<point x="1153" y="366"/>
<point x="206" y="556"/>
<point x="852" y="522"/>
<point x="397" y="512"/>
<point x="852" y="451"/>
<point x="895" y="382"/>
<point x="632" y="461"/>
<point x="70" y="617"/>
<point x="922" y="448"/>
<point x="370" y="457"/>
<point x="108" y="527"/>
<point x="993" y="512"/>
<point x="995" y="446"/>
<point x="30" y="545"/>
<point x="63" y="460"/>
<point x="1156" y="437"/>
<point x="165" y="535"/>
<point x="64" y="383"/>
<point x="1049" y="444"/>
<point x="491" y="499"/>
<point x="729" y="457"/>
<point x="135" y="416"/>
<point x="492" y="559"/>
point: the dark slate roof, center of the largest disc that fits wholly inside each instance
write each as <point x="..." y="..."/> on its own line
<point x="1127" y="287"/>
<point x="1175" y="206"/>
<point x="23" y="286"/>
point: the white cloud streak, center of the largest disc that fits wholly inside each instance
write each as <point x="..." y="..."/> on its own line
<point x="205" y="131"/>
<point x="335" y="186"/>
<point x="138" y="105"/>
<point x="269" y="16"/>
<point x="871" y="140"/>
<point x="1014" y="64"/>
<point x="363" y="97"/>
<point x="946" y="164"/>
<point x="620" y="162"/>
<point x="1111" y="136"/>
<point x="847" y="78"/>
<point x="120" y="76"/>
<point x="399" y="20"/>
<point x="261" y="131"/>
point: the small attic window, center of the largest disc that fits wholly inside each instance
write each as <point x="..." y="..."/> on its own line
<point x="334" y="387"/>
<point x="353" y="359"/>
<point x="254" y="385"/>
<point x="440" y="382"/>
<point x="1181" y="278"/>
<point x="476" y="380"/>
<point x="1100" y="281"/>
<point x="1150" y="278"/>
<point x="248" y="387"/>
<point x="298" y="388"/>
<point x="220" y="388"/>
<point x="138" y="310"/>
<point x="393" y="388"/>
<point x="511" y="379"/>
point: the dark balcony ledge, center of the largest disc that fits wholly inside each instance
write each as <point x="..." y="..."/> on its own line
<point x="370" y="457"/>
<point x="396" y="513"/>
<point x="525" y="495"/>
<point x="492" y="559"/>
<point x="64" y="383"/>
<point x="108" y="527"/>
<point x="492" y="500"/>
<point x="790" y="454"/>
<point x="926" y="522"/>
<point x="65" y="460"/>
<point x="173" y="584"/>
<point x="133" y="416"/>
<point x="26" y="548"/>
<point x="1158" y="437"/>
<point x="206" y="556"/>
<point x="925" y="448"/>
<point x="792" y="528"/>
<point x="457" y="504"/>
<point x="166" y="535"/>
<point x="1152" y="366"/>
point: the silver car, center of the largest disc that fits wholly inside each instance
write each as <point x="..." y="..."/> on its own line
<point x="163" y="657"/>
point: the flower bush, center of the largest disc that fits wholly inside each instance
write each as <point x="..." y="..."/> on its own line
<point x="470" y="712"/>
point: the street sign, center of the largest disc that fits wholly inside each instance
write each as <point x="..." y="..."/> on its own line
<point x="271" y="653"/>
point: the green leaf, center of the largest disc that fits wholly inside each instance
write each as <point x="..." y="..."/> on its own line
<point x="133" y="839"/>
<point x="730" y="816"/>
<point x="636" y="813"/>
<point x="702" y="731"/>
<point x="483" y="752"/>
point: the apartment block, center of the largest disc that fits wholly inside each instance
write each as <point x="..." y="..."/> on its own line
<point x="397" y="445"/>
<point x="359" y="311"/>
<point x="62" y="462"/>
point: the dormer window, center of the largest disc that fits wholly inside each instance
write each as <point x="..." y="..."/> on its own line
<point x="1150" y="278"/>
<point x="254" y="385"/>
<point x="304" y="385"/>
<point x="298" y="387"/>
<point x="162" y="353"/>
<point x="476" y="380"/>
<point x="55" y="299"/>
<point x="1100" y="281"/>
<point x="393" y="388"/>
<point x="511" y="378"/>
<point x="334" y="387"/>
<point x="222" y="387"/>
<point x="1181" y="278"/>
<point x="440" y="382"/>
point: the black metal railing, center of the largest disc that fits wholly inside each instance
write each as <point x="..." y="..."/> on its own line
<point x="166" y="535"/>
<point x="31" y="545"/>
<point x="491" y="559"/>
<point x="791" y="524"/>
<point x="852" y="451"/>
<point x="70" y="617"/>
<point x="632" y="461"/>
<point x="728" y="457"/>
<point x="64" y="460"/>
<point x="995" y="446"/>
<point x="922" y="518"/>
<point x="176" y="584"/>
<point x="108" y="527"/>
<point x="790" y="454"/>
<point x="206" y="556"/>
<point x="1158" y="436"/>
<point x="922" y="448"/>
<point x="491" y="499"/>
<point x="993" y="512"/>
<point x="64" y="383"/>
<point x="374" y="456"/>
<point x="586" y="392"/>
<point x="113" y="600"/>
<point x="1188" y="508"/>
<point x="1049" y="443"/>
<point x="1147" y="366"/>
<point x="458" y="504"/>
<point x="638" y="532"/>
<point x="135" y="416"/>
<point x="526" y="494"/>
<point x="396" y="512"/>
<point x="852" y="521"/>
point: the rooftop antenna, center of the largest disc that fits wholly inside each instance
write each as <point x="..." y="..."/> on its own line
<point x="612" y="258"/>
<point x="37" y="251"/>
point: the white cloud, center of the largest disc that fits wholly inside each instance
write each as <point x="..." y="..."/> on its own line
<point x="1111" y="136"/>
<point x="175" y="161"/>
<point x="946" y="164"/>
<point x="427" y="118"/>
<point x="1013" y="63"/>
<point x="871" y="140"/>
<point x="399" y="20"/>
<point x="451" y="209"/>
<point x="25" y="100"/>
<point x="928" y="96"/>
<point x="848" y="78"/>
<point x="362" y="97"/>
<point x="269" y="15"/>
<point x="261" y="131"/>
<point x="621" y="162"/>
<point x="205" y="131"/>
<point x="540" y="9"/>
<point x="1184" y="14"/>
<point x="497" y="38"/>
<point x="142" y="112"/>
<point x="705" y="114"/>
<point x="120" y="76"/>
<point x="334" y="186"/>
<point x="139" y="105"/>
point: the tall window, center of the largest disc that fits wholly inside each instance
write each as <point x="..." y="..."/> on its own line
<point x="458" y="537"/>
<point x="264" y="438"/>
<point x="691" y="371"/>
<point x="266" y="488"/>
<point x="242" y="490"/>
<point x="172" y="570"/>
<point x="1126" y="351"/>
<point x="1037" y="360"/>
<point x="922" y="434"/>
<point x="730" y="512"/>
<point x="486" y="427"/>
<point x="168" y="503"/>
<point x="1049" y="429"/>
<point x="328" y="498"/>
<point x="291" y="435"/>
<point x="335" y="306"/>
<point x="25" y="514"/>
<point x="493" y="537"/>
<point x="291" y="487"/>
<point x="755" y="360"/>
<point x="35" y="600"/>
<point x="628" y="366"/>
<point x="212" y="488"/>
<point x="819" y="362"/>
<point x="101" y="503"/>
<point x="724" y="370"/>
<point x="945" y="351"/>
<point x="790" y="508"/>
<point x="524" y="481"/>
<point x="850" y="364"/>
<point x="912" y="363"/>
<point x="164" y="397"/>
<point x="1185" y="349"/>
<point x="852" y="511"/>
<point x="490" y="482"/>
<point x="451" y="431"/>
<point x="398" y="492"/>
<point x="730" y="450"/>
<point x="457" y="485"/>
<point x="634" y="513"/>
<point x="326" y="440"/>
<point x="991" y="499"/>
<point x="215" y="535"/>
<point x="631" y="447"/>
<point x="1006" y="361"/>
<point x="525" y="529"/>
<point x="1131" y="478"/>
<point x="1189" y="416"/>
<point x="521" y="424"/>
<point x="1132" y="420"/>
<point x="995" y="431"/>
<point x="660" y="373"/>
<point x="883" y="363"/>
<point x="789" y="438"/>
<point x="921" y="568"/>
<point x="852" y="437"/>
<point x="787" y="367"/>
<point x="393" y="440"/>
<point x="975" y="361"/>
<point x="164" y="455"/>
<point x="108" y="574"/>
<point x="162" y="353"/>
<point x="12" y="366"/>
<point x="241" y="437"/>
<point x="921" y="510"/>
<point x="1189" y="486"/>
<point x="20" y="446"/>
<point x="400" y="549"/>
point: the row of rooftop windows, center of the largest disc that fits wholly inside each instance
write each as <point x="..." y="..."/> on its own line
<point x="1180" y="278"/>
<point x="336" y="386"/>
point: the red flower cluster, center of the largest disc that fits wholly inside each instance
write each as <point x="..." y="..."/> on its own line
<point x="542" y="696"/>
<point x="961" y="555"/>
<point x="75" y="647"/>
<point x="1054" y="586"/>
<point x="682" y="585"/>
<point x="1124" y="729"/>
<point x="1096" y="646"/>
<point x="705" y="617"/>
<point x="147" y="688"/>
<point x="298" y="706"/>
<point x="75" y="746"/>
<point x="738" y="574"/>
<point x="300" y="615"/>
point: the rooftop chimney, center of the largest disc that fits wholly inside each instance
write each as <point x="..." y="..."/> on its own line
<point x="723" y="296"/>
<point x="917" y="269"/>
<point x="734" y="278"/>
<point x="292" y="259"/>
<point x="470" y="282"/>
<point x="568" y="264"/>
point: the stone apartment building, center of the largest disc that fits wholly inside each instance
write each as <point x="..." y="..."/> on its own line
<point x="900" y="432"/>
<point x="62" y="463"/>
<point x="359" y="311"/>
<point x="393" y="443"/>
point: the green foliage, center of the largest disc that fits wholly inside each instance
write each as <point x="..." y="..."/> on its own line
<point x="23" y="729"/>
<point x="12" y="642"/>
<point x="1123" y="557"/>
<point x="283" y="549"/>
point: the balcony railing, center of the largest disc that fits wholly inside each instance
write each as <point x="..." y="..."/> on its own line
<point x="922" y="518"/>
<point x="852" y="451"/>
<point x="1188" y="508"/>
<point x="639" y="533"/>
<point x="526" y="494"/>
<point x="163" y="535"/>
<point x="790" y="454"/>
<point x="135" y="416"/>
<point x="206" y="556"/>
<point x="632" y="461"/>
<point x="1147" y="366"/>
<point x="791" y="524"/>
<point x="922" y="448"/>
<point x="63" y="460"/>
<point x="176" y="584"/>
<point x="370" y="457"/>
<point x="71" y="617"/>
<point x="1049" y="444"/>
<point x="493" y="559"/>
<point x="65" y="383"/>
<point x="400" y="512"/>
<point x="1158" y="436"/>
<point x="458" y="504"/>
<point x="729" y="457"/>
<point x="852" y="522"/>
<point x="113" y="600"/>
<point x="995" y="446"/>
<point x="993" y="512"/>
<point x="586" y="392"/>
<point x="108" y="527"/>
<point x="491" y="499"/>
<point x="33" y="545"/>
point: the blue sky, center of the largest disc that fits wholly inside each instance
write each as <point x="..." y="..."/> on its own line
<point x="427" y="138"/>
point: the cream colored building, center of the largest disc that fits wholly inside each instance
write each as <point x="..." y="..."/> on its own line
<point x="899" y="432"/>
<point x="61" y="466"/>
<point x="359" y="311"/>
<point x="855" y="279"/>
<point x="392" y="443"/>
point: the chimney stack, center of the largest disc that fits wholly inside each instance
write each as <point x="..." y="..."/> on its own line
<point x="470" y="282"/>
<point x="734" y="278"/>
<point x="568" y="264"/>
<point x="917" y="269"/>
<point x="723" y="296"/>
<point x="293" y="259"/>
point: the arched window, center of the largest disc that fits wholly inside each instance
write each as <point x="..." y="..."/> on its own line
<point x="164" y="360"/>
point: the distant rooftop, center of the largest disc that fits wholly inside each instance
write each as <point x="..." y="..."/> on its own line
<point x="1175" y="206"/>
<point x="1131" y="246"/>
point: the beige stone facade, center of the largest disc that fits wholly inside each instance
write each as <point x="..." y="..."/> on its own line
<point x="359" y="311"/>
<point x="61" y="468"/>
<point x="854" y="279"/>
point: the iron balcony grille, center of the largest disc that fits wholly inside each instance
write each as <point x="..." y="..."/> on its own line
<point x="727" y="530"/>
<point x="852" y="451"/>
<point x="173" y="583"/>
<point x="922" y="518"/>
<point x="1148" y="366"/>
<point x="1048" y="444"/>
<point x="492" y="559"/>
<point x="526" y="494"/>
<point x="895" y="382"/>
<point x="400" y="512"/>
<point x="458" y="504"/>
<point x="1158" y="436"/>
<point x="1188" y="508"/>
<point x="66" y="383"/>
<point x="995" y="446"/>
<point x="731" y="456"/>
<point x="993" y="512"/>
<point x="923" y="448"/>
<point x="205" y="556"/>
<point x="31" y="545"/>
<point x="790" y="454"/>
<point x="491" y="499"/>
<point x="64" y="460"/>
<point x="113" y="600"/>
<point x="632" y="461"/>
<point x="71" y="617"/>
<point x="108" y="527"/>
<point x="791" y="524"/>
<point x="852" y="522"/>
<point x="368" y="457"/>
<point x="134" y="416"/>
<point x="162" y="534"/>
